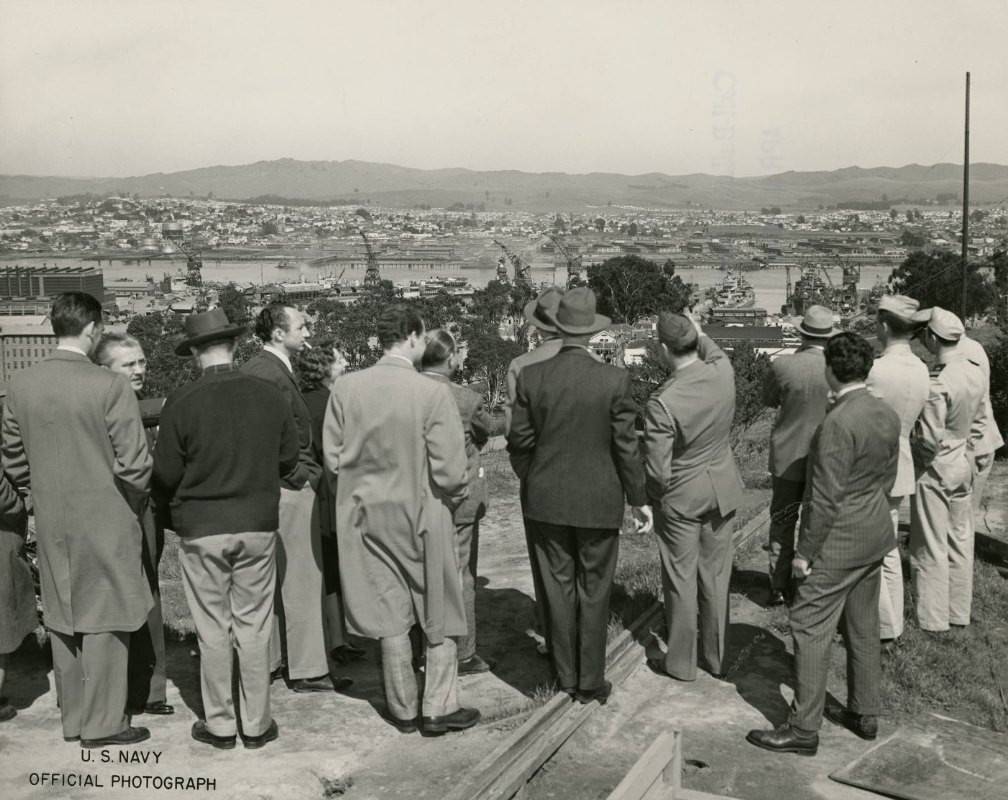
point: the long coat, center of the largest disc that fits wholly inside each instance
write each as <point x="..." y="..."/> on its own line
<point x="72" y="434"/>
<point x="394" y="440"/>
<point x="796" y="385"/>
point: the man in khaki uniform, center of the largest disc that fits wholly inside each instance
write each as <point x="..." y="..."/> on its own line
<point x="901" y="379"/>
<point x="983" y="449"/>
<point x="941" y="542"/>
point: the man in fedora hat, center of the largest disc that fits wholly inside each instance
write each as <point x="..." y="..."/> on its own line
<point x="901" y="379"/>
<point x="572" y="444"/>
<point x="943" y="440"/>
<point x="224" y="441"/>
<point x="73" y="435"/>
<point x="695" y="488"/>
<point x="536" y="312"/>
<point x="796" y="386"/>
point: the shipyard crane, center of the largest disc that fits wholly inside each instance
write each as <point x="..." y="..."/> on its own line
<point x="371" y="275"/>
<point x="172" y="232"/>
<point x="573" y="262"/>
<point x="523" y="272"/>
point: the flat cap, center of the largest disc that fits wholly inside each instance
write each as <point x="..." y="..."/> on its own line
<point x="899" y="305"/>
<point x="941" y="323"/>
<point x="676" y="331"/>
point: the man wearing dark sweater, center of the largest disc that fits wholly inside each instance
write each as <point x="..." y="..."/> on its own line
<point x="224" y="441"/>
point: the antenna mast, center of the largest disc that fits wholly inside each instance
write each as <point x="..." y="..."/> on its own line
<point x="965" y="219"/>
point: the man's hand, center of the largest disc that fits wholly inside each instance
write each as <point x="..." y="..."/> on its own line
<point x="800" y="568"/>
<point x="643" y="519"/>
<point x="982" y="462"/>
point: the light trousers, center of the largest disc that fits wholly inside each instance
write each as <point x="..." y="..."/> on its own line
<point x="941" y="552"/>
<point x="467" y="542"/>
<point x="891" y="595"/>
<point x="229" y="580"/>
<point x="90" y="671"/>
<point x="299" y="601"/>
<point x="440" y="693"/>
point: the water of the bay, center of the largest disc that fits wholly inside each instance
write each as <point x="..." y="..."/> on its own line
<point x="768" y="284"/>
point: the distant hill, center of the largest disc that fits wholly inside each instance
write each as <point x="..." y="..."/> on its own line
<point x="391" y="185"/>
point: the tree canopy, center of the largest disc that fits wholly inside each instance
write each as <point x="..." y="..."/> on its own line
<point x="630" y="287"/>
<point x="935" y="279"/>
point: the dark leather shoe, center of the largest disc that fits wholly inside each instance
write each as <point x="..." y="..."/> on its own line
<point x="864" y="726"/>
<point x="255" y="742"/>
<point x="7" y="712"/>
<point x="602" y="694"/>
<point x="161" y="709"/>
<point x="475" y="665"/>
<point x="202" y="735"/>
<point x="277" y="674"/>
<point x="785" y="739"/>
<point x="322" y="684"/>
<point x="128" y="736"/>
<point x="401" y="725"/>
<point x="456" y="721"/>
<point x="777" y="598"/>
<point x="346" y="653"/>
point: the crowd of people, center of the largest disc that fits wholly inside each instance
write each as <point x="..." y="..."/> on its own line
<point x="313" y="505"/>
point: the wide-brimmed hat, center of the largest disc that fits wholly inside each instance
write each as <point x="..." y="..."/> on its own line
<point x="576" y="313"/>
<point x="817" y="323"/>
<point x="207" y="326"/>
<point x="535" y="310"/>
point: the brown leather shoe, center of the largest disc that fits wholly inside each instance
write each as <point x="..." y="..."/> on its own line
<point x="255" y="742"/>
<point x="202" y="735"/>
<point x="865" y="726"/>
<point x="401" y="725"/>
<point x="785" y="739"/>
<point x="458" y="720"/>
<point x="126" y="737"/>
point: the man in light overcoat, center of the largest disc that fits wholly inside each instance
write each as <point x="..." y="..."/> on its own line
<point x="984" y="447"/>
<point x="901" y="379"/>
<point x="73" y="437"/>
<point x="393" y="440"/>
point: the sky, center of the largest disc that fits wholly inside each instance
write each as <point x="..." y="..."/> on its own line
<point x="119" y="87"/>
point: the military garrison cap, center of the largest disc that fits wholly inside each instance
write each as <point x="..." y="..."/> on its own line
<point x="676" y="331"/>
<point x="943" y="324"/>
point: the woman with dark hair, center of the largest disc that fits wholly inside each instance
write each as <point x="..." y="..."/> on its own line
<point x="317" y="369"/>
<point x="441" y="361"/>
<point x="18" y="615"/>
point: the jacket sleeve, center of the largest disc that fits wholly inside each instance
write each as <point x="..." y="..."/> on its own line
<point x="929" y="430"/>
<point x="290" y="447"/>
<point x="445" y="439"/>
<point x="15" y="460"/>
<point x="169" y="464"/>
<point x="625" y="446"/>
<point x="659" y="442"/>
<point x="332" y="435"/>
<point x="13" y="514"/>
<point x="133" y="463"/>
<point x="830" y="460"/>
<point x="521" y="438"/>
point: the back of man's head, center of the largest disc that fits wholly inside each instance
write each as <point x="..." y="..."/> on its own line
<point x="678" y="333"/>
<point x="72" y="312"/>
<point x="849" y="356"/>
<point x="396" y="323"/>
<point x="898" y="327"/>
<point x="269" y="319"/>
<point x="108" y="344"/>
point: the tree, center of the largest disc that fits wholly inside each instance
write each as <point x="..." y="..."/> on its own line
<point x="235" y="304"/>
<point x="487" y="360"/>
<point x="629" y="287"/>
<point x="936" y="280"/>
<point x="599" y="224"/>
<point x="997" y="352"/>
<point x="632" y="229"/>
<point x="559" y="226"/>
<point x="910" y="239"/>
<point x="363" y="213"/>
<point x="270" y="228"/>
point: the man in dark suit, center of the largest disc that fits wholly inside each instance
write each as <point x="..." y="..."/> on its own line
<point x="695" y="487"/>
<point x="283" y="332"/>
<point x="796" y="386"/>
<point x="573" y="446"/>
<point x="846" y="532"/>
<point x="73" y="437"/>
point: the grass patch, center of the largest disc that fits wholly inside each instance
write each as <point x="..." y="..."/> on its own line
<point x="961" y="673"/>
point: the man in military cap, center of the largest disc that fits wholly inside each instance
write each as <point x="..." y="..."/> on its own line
<point x="941" y="541"/>
<point x="901" y="379"/>
<point x="694" y="487"/>
<point x="796" y="386"/>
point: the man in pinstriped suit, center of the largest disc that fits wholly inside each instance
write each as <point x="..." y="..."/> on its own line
<point x="846" y="531"/>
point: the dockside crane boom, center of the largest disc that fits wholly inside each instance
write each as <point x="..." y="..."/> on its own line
<point x="522" y="271"/>
<point x="573" y="262"/>
<point x="371" y="276"/>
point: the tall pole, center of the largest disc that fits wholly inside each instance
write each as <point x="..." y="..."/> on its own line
<point x="965" y="213"/>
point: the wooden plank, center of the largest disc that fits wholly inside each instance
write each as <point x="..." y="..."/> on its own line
<point x="693" y="794"/>
<point x="933" y="758"/>
<point x="656" y="772"/>
<point x="751" y="528"/>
